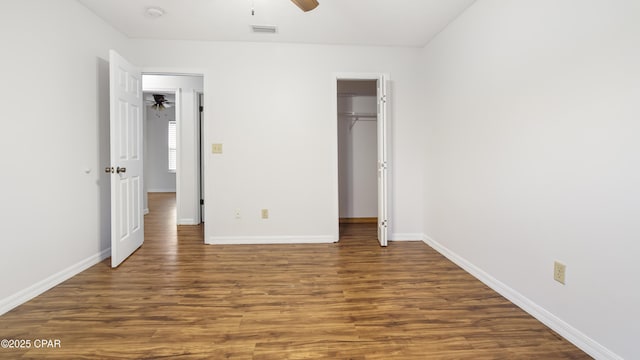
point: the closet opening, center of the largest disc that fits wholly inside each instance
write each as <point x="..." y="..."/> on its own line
<point x="357" y="157"/>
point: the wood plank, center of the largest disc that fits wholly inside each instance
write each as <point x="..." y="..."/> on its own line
<point x="176" y="297"/>
<point x="359" y="220"/>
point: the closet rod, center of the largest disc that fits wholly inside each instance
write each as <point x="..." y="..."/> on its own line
<point x="356" y="119"/>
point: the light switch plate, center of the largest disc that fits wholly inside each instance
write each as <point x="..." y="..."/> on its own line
<point x="216" y="148"/>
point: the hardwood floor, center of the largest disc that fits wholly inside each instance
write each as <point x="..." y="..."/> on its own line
<point x="178" y="298"/>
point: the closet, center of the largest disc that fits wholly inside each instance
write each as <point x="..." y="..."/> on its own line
<point x="357" y="151"/>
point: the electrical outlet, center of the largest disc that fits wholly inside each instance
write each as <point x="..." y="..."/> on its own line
<point x="559" y="270"/>
<point x="265" y="213"/>
<point x="237" y="214"/>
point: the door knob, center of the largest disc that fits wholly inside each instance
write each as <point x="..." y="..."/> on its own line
<point x="121" y="170"/>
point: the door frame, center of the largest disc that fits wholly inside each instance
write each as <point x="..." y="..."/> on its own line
<point x="336" y="186"/>
<point x="200" y="135"/>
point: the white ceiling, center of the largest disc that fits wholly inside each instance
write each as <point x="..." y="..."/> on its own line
<point x="409" y="23"/>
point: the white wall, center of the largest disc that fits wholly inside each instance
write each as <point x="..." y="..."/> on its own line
<point x="273" y="106"/>
<point x="357" y="161"/>
<point x="532" y="124"/>
<point x="55" y="95"/>
<point x="187" y="180"/>
<point x="157" y="175"/>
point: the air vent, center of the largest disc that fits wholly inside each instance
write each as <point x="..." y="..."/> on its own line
<point x="264" y="29"/>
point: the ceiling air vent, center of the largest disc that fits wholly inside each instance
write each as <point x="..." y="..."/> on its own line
<point x="264" y="29"/>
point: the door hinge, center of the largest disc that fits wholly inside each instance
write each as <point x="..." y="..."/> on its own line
<point x="383" y="99"/>
<point x="201" y="108"/>
<point x="384" y="223"/>
<point x="201" y="201"/>
<point x="383" y="165"/>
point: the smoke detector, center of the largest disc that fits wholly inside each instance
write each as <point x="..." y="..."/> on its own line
<point x="154" y="12"/>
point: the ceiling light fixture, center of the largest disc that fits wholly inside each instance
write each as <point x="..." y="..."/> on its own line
<point x="154" y="12"/>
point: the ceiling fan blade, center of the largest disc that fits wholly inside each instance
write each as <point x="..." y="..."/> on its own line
<point x="306" y="5"/>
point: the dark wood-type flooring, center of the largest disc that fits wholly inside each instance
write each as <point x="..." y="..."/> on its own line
<point x="178" y="298"/>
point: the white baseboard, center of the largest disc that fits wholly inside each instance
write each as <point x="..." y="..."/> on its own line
<point x="40" y="287"/>
<point x="247" y="240"/>
<point x="161" y="190"/>
<point x="406" y="237"/>
<point x="575" y="336"/>
<point x="145" y="211"/>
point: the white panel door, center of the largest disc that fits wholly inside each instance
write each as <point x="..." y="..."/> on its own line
<point x="383" y="221"/>
<point x="127" y="222"/>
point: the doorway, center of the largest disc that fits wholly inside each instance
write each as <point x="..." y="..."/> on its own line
<point x="160" y="141"/>
<point x="187" y="90"/>
<point x="362" y="163"/>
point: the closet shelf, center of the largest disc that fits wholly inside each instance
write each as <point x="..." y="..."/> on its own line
<point x="358" y="115"/>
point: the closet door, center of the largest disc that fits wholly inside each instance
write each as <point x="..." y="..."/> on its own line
<point x="383" y="221"/>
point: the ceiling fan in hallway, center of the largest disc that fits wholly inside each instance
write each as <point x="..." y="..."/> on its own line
<point x="158" y="102"/>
